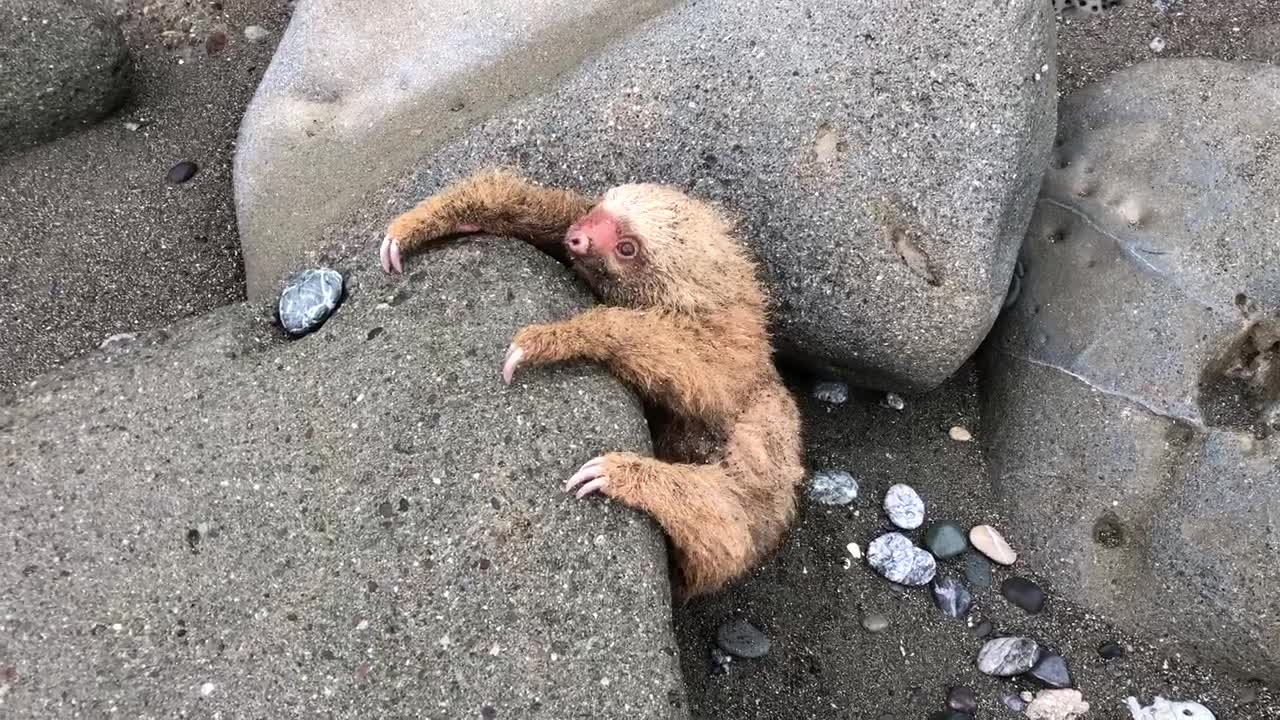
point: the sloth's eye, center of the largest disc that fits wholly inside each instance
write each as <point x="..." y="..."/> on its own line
<point x="627" y="249"/>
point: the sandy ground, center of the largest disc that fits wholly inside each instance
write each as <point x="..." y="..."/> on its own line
<point x="93" y="240"/>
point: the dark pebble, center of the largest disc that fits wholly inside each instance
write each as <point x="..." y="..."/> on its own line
<point x="1111" y="650"/>
<point x="741" y="638"/>
<point x="181" y="172"/>
<point x="983" y="629"/>
<point x="1051" y="671"/>
<point x="951" y="596"/>
<point x="950" y="715"/>
<point x="945" y="540"/>
<point x="1014" y="703"/>
<point x="962" y="699"/>
<point x="1023" y="593"/>
<point x="977" y="570"/>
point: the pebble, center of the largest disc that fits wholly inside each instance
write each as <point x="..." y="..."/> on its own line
<point x="875" y="622"/>
<point x="256" y="33"/>
<point x="895" y="401"/>
<point x="983" y="629"/>
<point x="1051" y="671"/>
<point x="1162" y="709"/>
<point x="951" y="596"/>
<point x="741" y="638"/>
<point x="309" y="299"/>
<point x="854" y="550"/>
<point x="720" y="661"/>
<point x="945" y="540"/>
<point x="1023" y="593"/>
<point x="1111" y="650"/>
<point x="960" y="434"/>
<point x="1014" y="703"/>
<point x="962" y="699"/>
<point x="831" y="392"/>
<point x="904" y="506"/>
<point x="834" y="487"/>
<point x="1008" y="656"/>
<point x="181" y="172"/>
<point x="991" y="543"/>
<point x="898" y="559"/>
<point x="977" y="570"/>
<point x="1057" y="705"/>
<point x="949" y="715"/>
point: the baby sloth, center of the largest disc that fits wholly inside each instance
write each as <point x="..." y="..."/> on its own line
<point x="682" y="324"/>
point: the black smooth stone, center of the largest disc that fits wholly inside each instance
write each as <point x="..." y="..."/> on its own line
<point x="182" y="172"/>
<point x="1023" y="593"/>
<point x="1111" y="650"/>
<point x="984" y="629"/>
<point x="1051" y="671"/>
<point x="741" y="638"/>
<point x="962" y="699"/>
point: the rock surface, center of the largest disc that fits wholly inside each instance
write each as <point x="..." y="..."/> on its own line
<point x="1132" y="390"/>
<point x="63" y="64"/>
<point x="362" y="521"/>
<point x="934" y="122"/>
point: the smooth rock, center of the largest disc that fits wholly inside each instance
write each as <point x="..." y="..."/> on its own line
<point x="1057" y="705"/>
<point x="945" y="540"/>
<point x="894" y="401"/>
<point x="898" y="559"/>
<point x="835" y="393"/>
<point x="181" y="172"/>
<point x="256" y="33"/>
<point x="960" y="434"/>
<point x="1014" y="703"/>
<point x="1111" y="650"/>
<point x="892" y="282"/>
<point x="63" y="64"/>
<point x="741" y="638"/>
<point x="977" y="570"/>
<point x="1131" y="382"/>
<point x="1008" y="656"/>
<point x="962" y="699"/>
<point x="309" y="299"/>
<point x="1162" y="709"/>
<point x="991" y="543"/>
<point x="1051" y="671"/>
<point x="219" y="420"/>
<point x="904" y="506"/>
<point x="875" y="623"/>
<point x="983" y="629"/>
<point x="834" y="487"/>
<point x="951" y="596"/>
<point x="1024" y="593"/>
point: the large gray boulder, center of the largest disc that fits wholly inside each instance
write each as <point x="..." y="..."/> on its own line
<point x="63" y="63"/>
<point x="1133" y="390"/>
<point x="215" y="521"/>
<point x="883" y="156"/>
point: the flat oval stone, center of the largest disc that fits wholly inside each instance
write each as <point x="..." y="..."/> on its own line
<point x="1023" y="593"/>
<point x="962" y="699"/>
<point x="1051" y="671"/>
<point x="309" y="299"/>
<point x="834" y="393"/>
<point x="898" y="559"/>
<point x="1111" y="650"/>
<point x="945" y="540"/>
<point x="977" y="570"/>
<point x="984" y="628"/>
<point x="991" y="543"/>
<point x="834" y="487"/>
<point x="182" y="172"/>
<point x="951" y="596"/>
<point x="741" y="638"/>
<point x="875" y="622"/>
<point x="1008" y="656"/>
<point x="904" y="506"/>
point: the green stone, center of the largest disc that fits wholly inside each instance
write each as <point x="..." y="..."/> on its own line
<point x="945" y="540"/>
